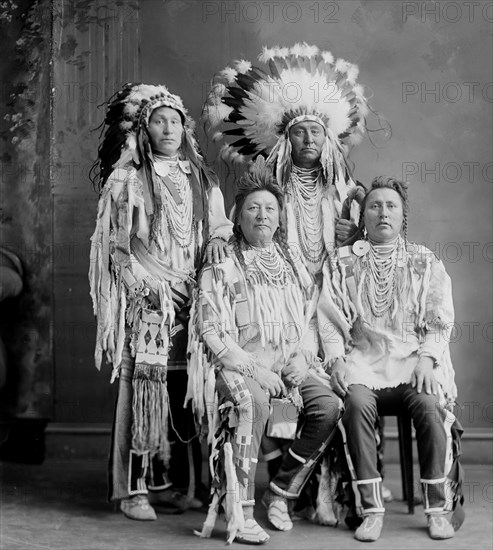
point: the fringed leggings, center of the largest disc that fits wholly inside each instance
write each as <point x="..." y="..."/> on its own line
<point x="131" y="473"/>
<point x="251" y="405"/>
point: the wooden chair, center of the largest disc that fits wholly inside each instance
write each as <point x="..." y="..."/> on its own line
<point x="404" y="427"/>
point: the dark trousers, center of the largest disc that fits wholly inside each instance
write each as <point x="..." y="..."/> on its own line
<point x="321" y="411"/>
<point x="432" y="424"/>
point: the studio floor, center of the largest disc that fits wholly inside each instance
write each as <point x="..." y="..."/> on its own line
<point x="61" y="505"/>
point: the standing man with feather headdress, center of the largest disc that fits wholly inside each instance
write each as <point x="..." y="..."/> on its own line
<point x="302" y="117"/>
<point x="159" y="207"/>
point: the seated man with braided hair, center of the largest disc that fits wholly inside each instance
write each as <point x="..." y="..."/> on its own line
<point x="254" y="339"/>
<point x="385" y="314"/>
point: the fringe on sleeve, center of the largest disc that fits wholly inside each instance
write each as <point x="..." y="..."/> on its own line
<point x="435" y="317"/>
<point x="201" y="365"/>
<point x="108" y="297"/>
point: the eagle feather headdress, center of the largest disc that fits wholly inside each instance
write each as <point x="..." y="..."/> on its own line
<point x="249" y="111"/>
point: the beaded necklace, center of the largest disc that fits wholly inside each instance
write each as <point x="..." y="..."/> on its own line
<point x="305" y="185"/>
<point x="267" y="266"/>
<point x="179" y="217"/>
<point x="381" y="282"/>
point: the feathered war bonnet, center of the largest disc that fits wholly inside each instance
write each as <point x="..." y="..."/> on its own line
<point x="304" y="84"/>
<point x="126" y="140"/>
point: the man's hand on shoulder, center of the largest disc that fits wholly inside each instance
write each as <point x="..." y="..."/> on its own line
<point x="217" y="251"/>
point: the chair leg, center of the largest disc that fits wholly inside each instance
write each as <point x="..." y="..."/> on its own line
<point x="406" y="457"/>
<point x="402" y="455"/>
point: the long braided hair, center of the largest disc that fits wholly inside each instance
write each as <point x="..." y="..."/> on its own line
<point x="259" y="177"/>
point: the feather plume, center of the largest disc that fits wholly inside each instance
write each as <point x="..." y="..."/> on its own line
<point x="217" y="92"/>
<point x="243" y="66"/>
<point x="131" y="109"/>
<point x="282" y="52"/>
<point x="216" y="114"/>
<point x="342" y="66"/>
<point x="267" y="54"/>
<point x="308" y="51"/>
<point x="126" y="125"/>
<point x="131" y="142"/>
<point x="235" y="156"/>
<point x="297" y="50"/>
<point x="229" y="74"/>
<point x="352" y="73"/>
<point x="354" y="139"/>
<point x="328" y="57"/>
<point x="226" y="151"/>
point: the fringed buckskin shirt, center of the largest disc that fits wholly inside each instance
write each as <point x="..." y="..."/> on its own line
<point x="126" y="263"/>
<point x="382" y="352"/>
<point x="233" y="315"/>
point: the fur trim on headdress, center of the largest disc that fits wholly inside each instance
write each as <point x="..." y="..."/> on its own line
<point x="258" y="106"/>
<point x="127" y="117"/>
<point x="126" y="141"/>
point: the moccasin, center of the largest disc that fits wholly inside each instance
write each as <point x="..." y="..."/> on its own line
<point x="370" y="529"/>
<point x="277" y="511"/>
<point x="439" y="527"/>
<point x="174" y="499"/>
<point x="252" y="533"/>
<point x="138" y="507"/>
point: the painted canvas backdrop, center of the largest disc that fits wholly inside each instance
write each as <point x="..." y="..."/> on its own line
<point x="427" y="67"/>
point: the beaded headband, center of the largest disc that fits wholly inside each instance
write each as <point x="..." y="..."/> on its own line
<point x="303" y="81"/>
<point x="142" y="99"/>
<point x="127" y="141"/>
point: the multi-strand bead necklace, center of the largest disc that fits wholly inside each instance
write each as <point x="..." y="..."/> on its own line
<point x="265" y="265"/>
<point x="179" y="217"/>
<point x="306" y="189"/>
<point x="381" y="281"/>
